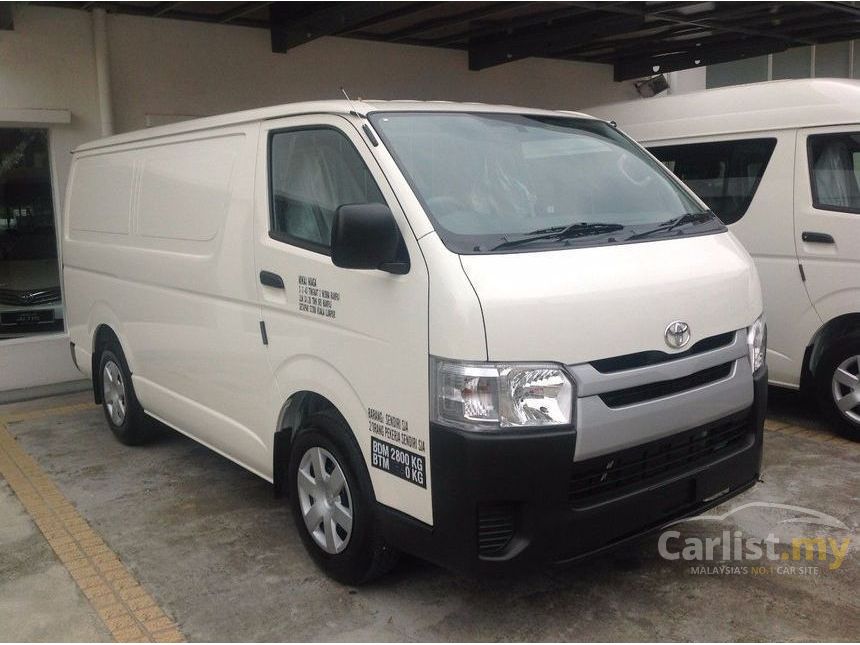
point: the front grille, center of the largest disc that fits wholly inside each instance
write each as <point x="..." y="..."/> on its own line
<point x="609" y="476"/>
<point x="496" y="526"/>
<point x="29" y="297"/>
<point x="644" y="359"/>
<point x="649" y="391"/>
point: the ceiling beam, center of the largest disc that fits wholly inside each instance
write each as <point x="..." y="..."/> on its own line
<point x="498" y="28"/>
<point x="7" y="21"/>
<point x="547" y="40"/>
<point x="642" y="66"/>
<point x="712" y="23"/>
<point x="448" y="21"/>
<point x="163" y="8"/>
<point x="241" y="11"/>
<point x="844" y="7"/>
<point x="788" y="21"/>
<point x="291" y="28"/>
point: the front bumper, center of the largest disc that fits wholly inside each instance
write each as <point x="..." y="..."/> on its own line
<point x="509" y="501"/>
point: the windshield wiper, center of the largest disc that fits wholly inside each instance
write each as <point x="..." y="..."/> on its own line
<point x="671" y="225"/>
<point x="578" y="229"/>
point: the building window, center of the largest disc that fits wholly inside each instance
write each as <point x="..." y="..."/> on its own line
<point x="745" y="70"/>
<point x="834" y="168"/>
<point x="29" y="273"/>
<point x="792" y="63"/>
<point x="829" y="60"/>
<point x="833" y="60"/>
<point x="725" y="174"/>
<point x="314" y="172"/>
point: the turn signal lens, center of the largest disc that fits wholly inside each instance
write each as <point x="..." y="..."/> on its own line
<point x="757" y="343"/>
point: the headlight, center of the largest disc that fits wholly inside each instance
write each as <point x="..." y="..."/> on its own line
<point x="487" y="396"/>
<point x="757" y="343"/>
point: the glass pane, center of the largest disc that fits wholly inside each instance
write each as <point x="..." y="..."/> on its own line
<point x="793" y="63"/>
<point x="831" y="60"/>
<point x="725" y="174"/>
<point x="489" y="181"/>
<point x="313" y="173"/>
<point x="834" y="175"/>
<point x="750" y="70"/>
<point x="857" y="59"/>
<point x="29" y="273"/>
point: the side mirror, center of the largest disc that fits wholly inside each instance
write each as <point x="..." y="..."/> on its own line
<point x="365" y="236"/>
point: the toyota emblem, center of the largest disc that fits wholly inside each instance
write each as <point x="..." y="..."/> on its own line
<point x="677" y="334"/>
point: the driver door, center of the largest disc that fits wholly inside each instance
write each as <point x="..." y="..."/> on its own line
<point x="357" y="337"/>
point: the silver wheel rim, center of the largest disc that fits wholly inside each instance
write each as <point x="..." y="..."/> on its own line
<point x="846" y="388"/>
<point x="113" y="388"/>
<point x="325" y="500"/>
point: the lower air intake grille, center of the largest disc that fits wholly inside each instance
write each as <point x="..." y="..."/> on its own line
<point x="609" y="476"/>
<point x="496" y="526"/>
<point x="649" y="391"/>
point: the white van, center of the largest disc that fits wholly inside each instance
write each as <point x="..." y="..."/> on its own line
<point x="488" y="336"/>
<point x="779" y="163"/>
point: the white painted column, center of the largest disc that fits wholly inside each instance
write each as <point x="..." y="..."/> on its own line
<point x="100" y="45"/>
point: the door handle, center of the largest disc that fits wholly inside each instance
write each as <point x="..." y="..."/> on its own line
<point x="270" y="279"/>
<point x="817" y="238"/>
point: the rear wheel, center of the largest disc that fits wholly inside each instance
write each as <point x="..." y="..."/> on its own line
<point x="122" y="410"/>
<point x="838" y="386"/>
<point x="333" y="504"/>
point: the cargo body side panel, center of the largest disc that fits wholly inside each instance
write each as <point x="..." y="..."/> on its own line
<point x="158" y="247"/>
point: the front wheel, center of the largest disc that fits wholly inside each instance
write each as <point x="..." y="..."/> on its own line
<point x="838" y="386"/>
<point x="333" y="504"/>
<point x="123" y="412"/>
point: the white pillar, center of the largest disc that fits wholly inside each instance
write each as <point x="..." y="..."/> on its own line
<point x="100" y="45"/>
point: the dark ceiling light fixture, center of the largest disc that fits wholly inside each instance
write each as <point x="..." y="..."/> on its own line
<point x="652" y="86"/>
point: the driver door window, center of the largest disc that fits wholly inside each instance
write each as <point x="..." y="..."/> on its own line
<point x="313" y="172"/>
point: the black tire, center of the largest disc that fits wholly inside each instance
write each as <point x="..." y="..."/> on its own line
<point x="844" y="349"/>
<point x="365" y="555"/>
<point x="134" y="428"/>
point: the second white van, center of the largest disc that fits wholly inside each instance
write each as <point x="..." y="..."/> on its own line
<point x="488" y="336"/>
<point x="779" y="163"/>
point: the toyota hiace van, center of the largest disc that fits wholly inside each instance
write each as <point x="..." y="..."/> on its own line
<point x="779" y="163"/>
<point x="491" y="337"/>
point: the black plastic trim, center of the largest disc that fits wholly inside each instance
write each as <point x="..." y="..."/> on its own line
<point x="659" y="389"/>
<point x="270" y="279"/>
<point x="531" y="471"/>
<point x="655" y="357"/>
<point x="817" y="238"/>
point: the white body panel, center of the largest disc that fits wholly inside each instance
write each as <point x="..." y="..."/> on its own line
<point x="781" y="209"/>
<point x="595" y="293"/>
<point x="167" y="232"/>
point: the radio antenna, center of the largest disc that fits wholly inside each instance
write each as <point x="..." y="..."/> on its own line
<point x="352" y="109"/>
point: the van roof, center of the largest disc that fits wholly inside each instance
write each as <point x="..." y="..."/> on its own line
<point x="774" y="105"/>
<point x="309" y="107"/>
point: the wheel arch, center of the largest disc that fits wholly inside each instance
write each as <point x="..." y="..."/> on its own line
<point x="103" y="334"/>
<point x="322" y="388"/>
<point x="833" y="329"/>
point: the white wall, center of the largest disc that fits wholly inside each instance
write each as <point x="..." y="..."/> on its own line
<point x="47" y="62"/>
<point x="167" y="67"/>
<point x="172" y="66"/>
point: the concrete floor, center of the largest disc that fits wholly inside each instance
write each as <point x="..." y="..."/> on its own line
<point x="222" y="557"/>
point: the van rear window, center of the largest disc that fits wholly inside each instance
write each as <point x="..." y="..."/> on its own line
<point x="725" y="174"/>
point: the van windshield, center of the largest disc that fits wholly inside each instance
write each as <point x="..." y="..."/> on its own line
<point x="512" y="182"/>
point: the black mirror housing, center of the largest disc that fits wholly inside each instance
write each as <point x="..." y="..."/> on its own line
<point x="365" y="236"/>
